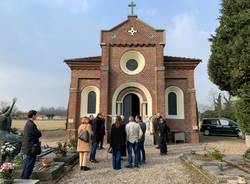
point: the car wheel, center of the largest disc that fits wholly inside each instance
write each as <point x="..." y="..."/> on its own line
<point x="206" y="132"/>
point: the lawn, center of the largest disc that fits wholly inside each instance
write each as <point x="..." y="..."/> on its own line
<point x="41" y="124"/>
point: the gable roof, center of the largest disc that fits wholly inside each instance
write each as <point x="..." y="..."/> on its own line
<point x="137" y="19"/>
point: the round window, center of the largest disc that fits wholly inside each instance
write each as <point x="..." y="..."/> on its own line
<point x="132" y="64"/>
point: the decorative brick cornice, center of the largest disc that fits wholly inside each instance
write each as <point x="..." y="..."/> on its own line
<point x="188" y="65"/>
<point x="132" y="45"/>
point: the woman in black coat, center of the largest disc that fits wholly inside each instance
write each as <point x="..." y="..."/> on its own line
<point x="163" y="132"/>
<point x="116" y="141"/>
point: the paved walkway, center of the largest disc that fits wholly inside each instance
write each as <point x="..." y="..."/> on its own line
<point x="158" y="169"/>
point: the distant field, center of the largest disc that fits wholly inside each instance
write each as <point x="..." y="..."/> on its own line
<point x="41" y="124"/>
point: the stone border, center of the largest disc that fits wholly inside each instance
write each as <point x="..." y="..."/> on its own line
<point x="198" y="169"/>
<point x="203" y="167"/>
<point x="237" y="166"/>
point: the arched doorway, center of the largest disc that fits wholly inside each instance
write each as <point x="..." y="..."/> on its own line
<point x="140" y="91"/>
<point x="131" y="106"/>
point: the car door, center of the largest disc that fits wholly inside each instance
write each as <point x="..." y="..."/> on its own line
<point x="215" y="126"/>
<point x="235" y="128"/>
<point x="225" y="127"/>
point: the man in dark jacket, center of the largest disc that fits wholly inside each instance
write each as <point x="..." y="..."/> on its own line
<point x="102" y="133"/>
<point x="96" y="127"/>
<point x="31" y="146"/>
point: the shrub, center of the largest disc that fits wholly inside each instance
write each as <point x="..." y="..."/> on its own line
<point x="215" y="154"/>
<point x="72" y="143"/>
<point x="247" y="154"/>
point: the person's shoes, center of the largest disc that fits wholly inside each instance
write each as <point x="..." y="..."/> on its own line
<point x="81" y="168"/>
<point x="137" y="166"/>
<point x="129" y="166"/>
<point x="94" y="161"/>
<point x="157" y="147"/>
<point x="85" y="168"/>
<point x="122" y="159"/>
<point x="163" y="154"/>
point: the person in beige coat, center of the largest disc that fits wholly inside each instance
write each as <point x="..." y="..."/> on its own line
<point x="84" y="147"/>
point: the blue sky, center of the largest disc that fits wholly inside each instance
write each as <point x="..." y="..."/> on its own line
<point x="37" y="35"/>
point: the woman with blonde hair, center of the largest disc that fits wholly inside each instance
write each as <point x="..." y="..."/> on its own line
<point x="116" y="141"/>
<point x="84" y="142"/>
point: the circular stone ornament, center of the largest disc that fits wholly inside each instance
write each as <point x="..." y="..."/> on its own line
<point x="132" y="62"/>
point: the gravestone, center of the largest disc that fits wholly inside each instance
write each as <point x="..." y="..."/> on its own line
<point x="49" y="174"/>
<point x="69" y="159"/>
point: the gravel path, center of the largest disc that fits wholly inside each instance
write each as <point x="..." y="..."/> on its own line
<point x="157" y="170"/>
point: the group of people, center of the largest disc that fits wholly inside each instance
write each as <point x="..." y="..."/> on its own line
<point x="129" y="135"/>
<point x="126" y="139"/>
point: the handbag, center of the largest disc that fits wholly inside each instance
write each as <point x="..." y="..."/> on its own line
<point x="84" y="136"/>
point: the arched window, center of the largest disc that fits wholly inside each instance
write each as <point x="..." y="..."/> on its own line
<point x="172" y="104"/>
<point x="91" y="102"/>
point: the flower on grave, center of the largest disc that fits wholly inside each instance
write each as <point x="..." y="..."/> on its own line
<point x="7" y="170"/>
<point x="7" y="149"/>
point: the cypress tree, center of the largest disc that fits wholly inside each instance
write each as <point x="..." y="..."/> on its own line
<point x="229" y="63"/>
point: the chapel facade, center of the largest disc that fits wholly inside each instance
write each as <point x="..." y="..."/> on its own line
<point x="133" y="76"/>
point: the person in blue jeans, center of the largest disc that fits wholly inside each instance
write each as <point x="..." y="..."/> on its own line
<point x="142" y="159"/>
<point x="116" y="142"/>
<point x="31" y="145"/>
<point x="134" y="133"/>
<point x="96" y="127"/>
<point x="135" y="148"/>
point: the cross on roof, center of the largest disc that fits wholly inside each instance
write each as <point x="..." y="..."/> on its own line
<point x="132" y="5"/>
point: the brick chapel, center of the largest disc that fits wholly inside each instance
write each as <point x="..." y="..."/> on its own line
<point x="133" y="76"/>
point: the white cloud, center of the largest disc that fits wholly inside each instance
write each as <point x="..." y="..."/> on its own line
<point x="185" y="38"/>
